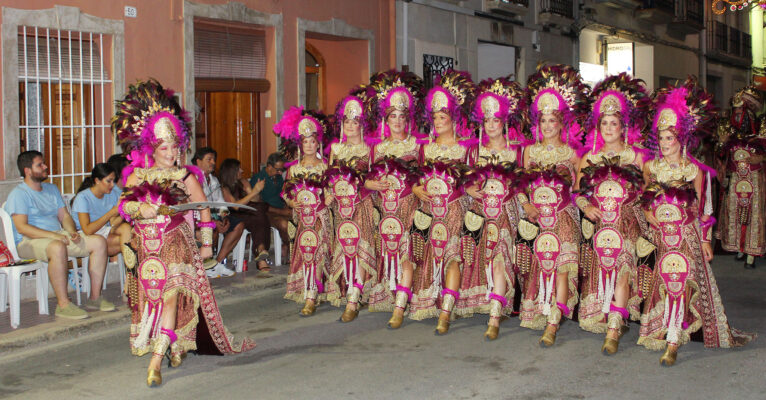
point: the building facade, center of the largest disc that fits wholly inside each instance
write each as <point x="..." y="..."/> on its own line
<point x="235" y="65"/>
<point x="659" y="41"/>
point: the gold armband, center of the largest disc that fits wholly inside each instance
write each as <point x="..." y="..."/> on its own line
<point x="206" y="235"/>
<point x="522" y="198"/>
<point x="582" y="203"/>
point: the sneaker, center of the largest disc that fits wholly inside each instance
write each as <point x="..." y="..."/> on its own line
<point x="213" y="273"/>
<point x="225" y="271"/>
<point x="218" y="271"/>
<point x="100" y="304"/>
<point x="71" y="311"/>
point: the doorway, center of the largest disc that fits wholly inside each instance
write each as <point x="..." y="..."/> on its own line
<point x="228" y="122"/>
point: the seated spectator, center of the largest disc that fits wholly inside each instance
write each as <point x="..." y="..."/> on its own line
<point x="237" y="190"/>
<point x="118" y="161"/>
<point x="229" y="225"/>
<point x="96" y="211"/>
<point x="43" y="229"/>
<point x="279" y="213"/>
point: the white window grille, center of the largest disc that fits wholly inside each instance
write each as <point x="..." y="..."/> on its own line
<point x="65" y="101"/>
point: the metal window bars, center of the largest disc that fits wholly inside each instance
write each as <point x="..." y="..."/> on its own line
<point x="65" y="101"/>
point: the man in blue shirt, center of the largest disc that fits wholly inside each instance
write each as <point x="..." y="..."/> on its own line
<point x="43" y="229"/>
<point x="271" y="194"/>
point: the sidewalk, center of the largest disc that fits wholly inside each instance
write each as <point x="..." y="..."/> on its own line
<point x="36" y="328"/>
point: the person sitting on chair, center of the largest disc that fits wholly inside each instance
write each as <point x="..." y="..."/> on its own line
<point x="226" y="224"/>
<point x="278" y="212"/>
<point x="237" y="190"/>
<point x="43" y="229"/>
<point x="96" y="211"/>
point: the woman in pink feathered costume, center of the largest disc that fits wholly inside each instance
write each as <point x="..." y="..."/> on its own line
<point x="609" y="182"/>
<point x="558" y="103"/>
<point x="443" y="205"/>
<point x="172" y="304"/>
<point x="302" y="134"/>
<point x="683" y="296"/>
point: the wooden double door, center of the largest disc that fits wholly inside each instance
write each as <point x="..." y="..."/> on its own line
<point x="229" y="123"/>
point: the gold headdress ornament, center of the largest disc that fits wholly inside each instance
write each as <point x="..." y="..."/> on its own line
<point x="610" y="105"/>
<point x="439" y="101"/>
<point x="548" y="103"/>
<point x="353" y="109"/>
<point x="307" y="128"/>
<point x="490" y="105"/>
<point x="667" y="119"/>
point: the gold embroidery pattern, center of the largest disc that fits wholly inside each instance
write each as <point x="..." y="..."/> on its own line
<point x="627" y="156"/>
<point x="487" y="156"/>
<point x="397" y="148"/>
<point x="153" y="175"/>
<point x="665" y="173"/>
<point x="345" y="151"/>
<point x="298" y="169"/>
<point x="434" y="151"/>
<point x="549" y="155"/>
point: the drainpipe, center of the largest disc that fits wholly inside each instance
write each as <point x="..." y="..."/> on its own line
<point x="405" y="34"/>
<point x="576" y="33"/>
<point x="703" y="58"/>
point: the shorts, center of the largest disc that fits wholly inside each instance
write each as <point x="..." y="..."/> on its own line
<point x="233" y="222"/>
<point x="103" y="232"/>
<point x="36" y="248"/>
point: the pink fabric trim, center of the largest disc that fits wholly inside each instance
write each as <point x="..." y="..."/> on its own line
<point x="405" y="290"/>
<point x="171" y="334"/>
<point x="208" y="224"/>
<point x="359" y="286"/>
<point x="454" y="294"/>
<point x="563" y="307"/>
<point x="503" y="301"/>
<point x="622" y="311"/>
<point x="320" y="286"/>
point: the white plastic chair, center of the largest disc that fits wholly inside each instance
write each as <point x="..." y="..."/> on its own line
<point x="10" y="277"/>
<point x="238" y="253"/>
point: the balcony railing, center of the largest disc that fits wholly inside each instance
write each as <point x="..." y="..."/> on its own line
<point x="564" y="8"/>
<point x="728" y="40"/>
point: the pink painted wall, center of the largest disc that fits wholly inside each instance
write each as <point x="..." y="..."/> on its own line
<point x="154" y="40"/>
<point x="346" y="66"/>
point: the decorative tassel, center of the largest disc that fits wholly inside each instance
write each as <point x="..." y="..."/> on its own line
<point x="609" y="290"/>
<point x="489" y="271"/>
<point x="144" y="326"/>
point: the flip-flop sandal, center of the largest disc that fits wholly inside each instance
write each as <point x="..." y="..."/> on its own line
<point x="262" y="256"/>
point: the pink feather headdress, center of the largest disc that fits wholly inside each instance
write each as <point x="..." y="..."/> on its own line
<point x="503" y="99"/>
<point x="621" y="94"/>
<point x="389" y="91"/>
<point x="452" y="94"/>
<point x="687" y="110"/>
<point x="148" y="115"/>
<point x="297" y="123"/>
<point x="351" y="107"/>
<point x="558" y="88"/>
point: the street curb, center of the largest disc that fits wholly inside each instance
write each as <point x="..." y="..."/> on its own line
<point x="62" y="329"/>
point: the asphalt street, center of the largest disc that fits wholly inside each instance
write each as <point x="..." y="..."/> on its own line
<point x="320" y="358"/>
